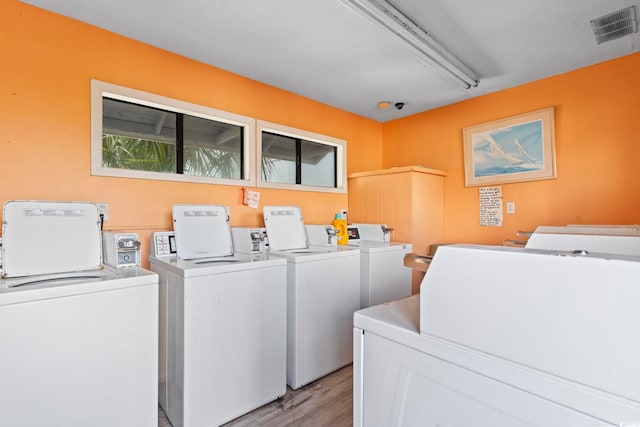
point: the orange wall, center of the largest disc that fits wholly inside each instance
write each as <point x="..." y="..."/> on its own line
<point x="48" y="62"/>
<point x="597" y="116"/>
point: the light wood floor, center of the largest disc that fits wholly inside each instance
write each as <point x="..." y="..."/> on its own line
<point x="325" y="402"/>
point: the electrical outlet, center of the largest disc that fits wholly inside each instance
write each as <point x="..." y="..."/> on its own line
<point x="103" y="209"/>
<point x="511" y="207"/>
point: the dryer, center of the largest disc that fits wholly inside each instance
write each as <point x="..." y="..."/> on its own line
<point x="383" y="276"/>
<point x="222" y="321"/>
<point x="504" y="337"/>
<point x="323" y="292"/>
<point x="79" y="340"/>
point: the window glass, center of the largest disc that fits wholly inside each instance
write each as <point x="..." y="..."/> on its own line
<point x="212" y="149"/>
<point x="138" y="137"/>
<point x="318" y="164"/>
<point x="300" y="160"/>
<point x="278" y="158"/>
<point x="141" y="135"/>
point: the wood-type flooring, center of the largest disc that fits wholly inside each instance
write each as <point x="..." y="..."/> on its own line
<point x="325" y="402"/>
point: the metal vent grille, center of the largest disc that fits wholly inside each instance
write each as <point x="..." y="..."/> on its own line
<point x="615" y="25"/>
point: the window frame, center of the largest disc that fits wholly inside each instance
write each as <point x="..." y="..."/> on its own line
<point x="100" y="89"/>
<point x="340" y="161"/>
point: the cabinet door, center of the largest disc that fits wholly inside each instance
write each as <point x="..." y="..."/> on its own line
<point x="427" y="211"/>
<point x="364" y="199"/>
<point x="402" y="208"/>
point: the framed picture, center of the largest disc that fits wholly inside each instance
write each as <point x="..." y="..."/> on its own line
<point x="514" y="149"/>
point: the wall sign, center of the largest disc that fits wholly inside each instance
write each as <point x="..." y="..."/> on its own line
<point x="491" y="206"/>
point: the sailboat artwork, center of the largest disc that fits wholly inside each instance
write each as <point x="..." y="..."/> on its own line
<point x="514" y="149"/>
<point x="501" y="151"/>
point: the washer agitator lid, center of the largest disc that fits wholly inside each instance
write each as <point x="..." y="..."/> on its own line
<point x="202" y="231"/>
<point x="285" y="228"/>
<point x="47" y="237"/>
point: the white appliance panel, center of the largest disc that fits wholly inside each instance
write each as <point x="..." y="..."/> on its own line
<point x="202" y="231"/>
<point x="383" y="276"/>
<point x="397" y="377"/>
<point x="80" y="359"/>
<point x="285" y="227"/>
<point x="222" y="341"/>
<point x="321" y="235"/>
<point x="323" y="292"/>
<point x="322" y="297"/>
<point x="405" y="387"/>
<point x="50" y="237"/>
<point x="512" y="303"/>
<point x="372" y="233"/>
<point x="623" y="241"/>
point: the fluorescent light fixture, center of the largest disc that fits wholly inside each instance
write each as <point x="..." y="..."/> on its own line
<point x="417" y="41"/>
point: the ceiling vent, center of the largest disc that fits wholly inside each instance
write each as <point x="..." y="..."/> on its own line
<point x="615" y="25"/>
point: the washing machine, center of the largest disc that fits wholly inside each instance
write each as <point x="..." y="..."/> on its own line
<point x="222" y="321"/>
<point x="504" y="337"/>
<point x="323" y="292"/>
<point x="604" y="239"/>
<point x="383" y="276"/>
<point x="79" y="341"/>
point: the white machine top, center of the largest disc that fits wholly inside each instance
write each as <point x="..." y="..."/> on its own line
<point x="34" y="288"/>
<point x="216" y="265"/>
<point x="573" y="315"/>
<point x="285" y="228"/>
<point x="615" y="240"/>
<point x="42" y="237"/>
<point x="202" y="231"/>
<point x="589" y="229"/>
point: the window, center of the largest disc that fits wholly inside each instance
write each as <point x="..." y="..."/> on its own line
<point x="296" y="159"/>
<point x="140" y="135"/>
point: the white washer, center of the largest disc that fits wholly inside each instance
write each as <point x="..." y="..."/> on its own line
<point x="484" y="344"/>
<point x="383" y="276"/>
<point x="323" y="292"/>
<point x="79" y="342"/>
<point x="222" y="321"/>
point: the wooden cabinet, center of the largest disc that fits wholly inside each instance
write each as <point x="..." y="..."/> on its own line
<point x="408" y="199"/>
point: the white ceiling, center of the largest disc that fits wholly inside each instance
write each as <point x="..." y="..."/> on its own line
<point x="324" y="51"/>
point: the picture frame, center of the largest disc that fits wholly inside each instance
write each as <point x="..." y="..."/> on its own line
<point x="514" y="149"/>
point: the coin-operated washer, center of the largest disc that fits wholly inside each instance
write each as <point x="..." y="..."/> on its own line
<point x="74" y="334"/>
<point x="323" y="292"/>
<point x="383" y="276"/>
<point x="504" y="337"/>
<point x="222" y="321"/>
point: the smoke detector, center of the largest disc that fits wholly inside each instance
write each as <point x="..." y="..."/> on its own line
<point x="615" y="25"/>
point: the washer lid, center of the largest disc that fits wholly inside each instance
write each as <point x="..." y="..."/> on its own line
<point x="285" y="227"/>
<point x="202" y="231"/>
<point x="42" y="237"/>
